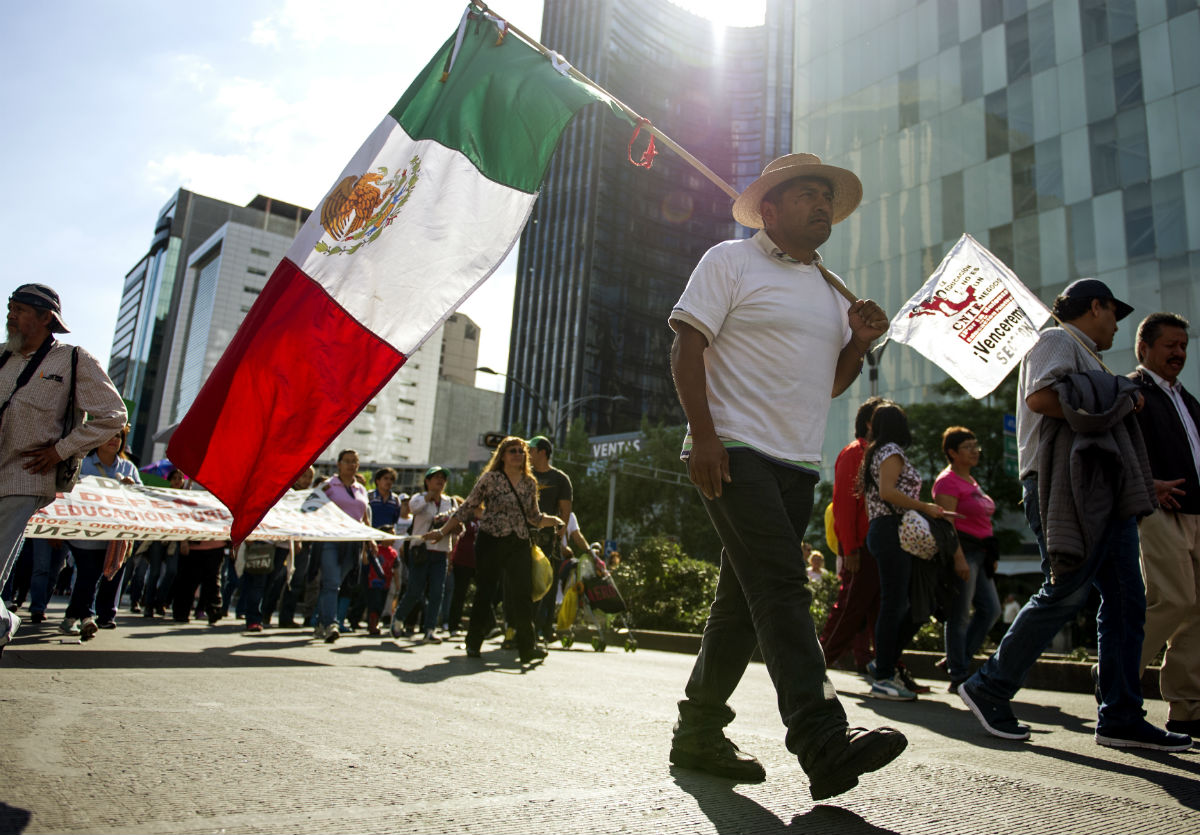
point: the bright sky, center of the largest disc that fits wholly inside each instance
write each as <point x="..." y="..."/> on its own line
<point x="110" y="107"/>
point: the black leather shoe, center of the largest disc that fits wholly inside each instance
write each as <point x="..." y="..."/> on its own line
<point x="717" y="756"/>
<point x="535" y="654"/>
<point x="838" y="767"/>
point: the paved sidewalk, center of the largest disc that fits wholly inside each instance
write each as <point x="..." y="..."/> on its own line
<point x="157" y="728"/>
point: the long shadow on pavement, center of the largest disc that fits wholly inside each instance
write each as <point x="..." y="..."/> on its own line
<point x="94" y="657"/>
<point x="731" y="812"/>
<point x="13" y="819"/>
<point x="1186" y="790"/>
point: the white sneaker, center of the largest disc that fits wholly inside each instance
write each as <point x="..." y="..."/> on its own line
<point x="319" y="632"/>
<point x="87" y="629"/>
<point x="331" y="633"/>
<point x="69" y="626"/>
<point x="13" y="625"/>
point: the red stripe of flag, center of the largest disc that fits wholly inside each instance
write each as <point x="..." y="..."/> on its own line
<point x="296" y="373"/>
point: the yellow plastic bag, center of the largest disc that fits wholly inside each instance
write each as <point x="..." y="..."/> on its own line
<point x="568" y="609"/>
<point x="543" y="574"/>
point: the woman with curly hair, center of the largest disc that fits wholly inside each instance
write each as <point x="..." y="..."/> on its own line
<point x="507" y="494"/>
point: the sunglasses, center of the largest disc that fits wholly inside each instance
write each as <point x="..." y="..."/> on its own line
<point x="515" y="449"/>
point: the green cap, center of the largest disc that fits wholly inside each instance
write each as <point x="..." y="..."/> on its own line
<point x="432" y="471"/>
<point x="541" y="442"/>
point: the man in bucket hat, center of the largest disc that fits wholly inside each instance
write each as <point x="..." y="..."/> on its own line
<point x="37" y="377"/>
<point x="764" y="339"/>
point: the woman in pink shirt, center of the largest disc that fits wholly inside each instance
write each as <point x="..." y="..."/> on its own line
<point x="956" y="490"/>
<point x="339" y="561"/>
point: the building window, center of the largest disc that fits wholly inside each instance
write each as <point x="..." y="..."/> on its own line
<point x="1016" y="47"/>
<point x="1081" y="228"/>
<point x="991" y="13"/>
<point x="1041" y="38"/>
<point x="1000" y="242"/>
<point x="256" y="271"/>
<point x="1093" y="21"/>
<point x="910" y="97"/>
<point x="246" y="288"/>
<point x="1048" y="168"/>
<point x="995" y="118"/>
<point x="1170" y="216"/>
<point x="1139" y="222"/>
<point x="260" y="252"/>
<point x="370" y="408"/>
<point x="1127" y="73"/>
<point x="1024" y="185"/>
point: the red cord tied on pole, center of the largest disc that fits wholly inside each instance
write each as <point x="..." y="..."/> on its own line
<point x="649" y="154"/>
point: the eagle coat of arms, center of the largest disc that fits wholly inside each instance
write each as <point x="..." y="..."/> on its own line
<point x="358" y="209"/>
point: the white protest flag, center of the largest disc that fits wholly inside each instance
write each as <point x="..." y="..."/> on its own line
<point x="973" y="318"/>
<point x="104" y="508"/>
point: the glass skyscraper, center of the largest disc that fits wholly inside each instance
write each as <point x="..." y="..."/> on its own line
<point x="1062" y="134"/>
<point x="610" y="246"/>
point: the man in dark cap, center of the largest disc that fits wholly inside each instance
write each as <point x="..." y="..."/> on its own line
<point x="39" y="425"/>
<point x="1057" y="375"/>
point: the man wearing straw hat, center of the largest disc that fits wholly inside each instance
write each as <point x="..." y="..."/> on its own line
<point x="765" y="337"/>
<point x="1080" y="549"/>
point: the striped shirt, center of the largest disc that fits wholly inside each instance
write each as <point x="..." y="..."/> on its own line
<point x="34" y="418"/>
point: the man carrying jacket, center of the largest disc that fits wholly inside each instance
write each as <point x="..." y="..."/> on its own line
<point x="1170" y="538"/>
<point x="1108" y="558"/>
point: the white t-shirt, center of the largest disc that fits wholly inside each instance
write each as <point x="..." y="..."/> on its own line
<point x="775" y="329"/>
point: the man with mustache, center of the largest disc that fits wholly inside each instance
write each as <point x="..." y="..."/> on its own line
<point x="763" y="342"/>
<point x="1170" y="538"/>
<point x="37" y="376"/>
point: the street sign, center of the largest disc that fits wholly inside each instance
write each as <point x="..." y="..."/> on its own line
<point x="1010" y="424"/>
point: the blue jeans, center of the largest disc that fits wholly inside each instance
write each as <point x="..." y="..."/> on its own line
<point x="337" y="561"/>
<point x="762" y="601"/>
<point x="89" y="570"/>
<point x="894" y="628"/>
<point x="965" y="632"/>
<point x="426" y="580"/>
<point x="1113" y="568"/>
<point x="253" y="586"/>
<point x="47" y="563"/>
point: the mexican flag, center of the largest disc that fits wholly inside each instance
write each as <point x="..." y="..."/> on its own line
<point x="424" y="212"/>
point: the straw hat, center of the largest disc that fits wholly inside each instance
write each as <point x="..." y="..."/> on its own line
<point x="847" y="188"/>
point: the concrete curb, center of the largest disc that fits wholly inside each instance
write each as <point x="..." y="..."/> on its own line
<point x="1049" y="673"/>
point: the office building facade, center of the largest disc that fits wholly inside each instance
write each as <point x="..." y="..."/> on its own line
<point x="609" y="246"/>
<point x="1062" y="134"/>
<point x="151" y="298"/>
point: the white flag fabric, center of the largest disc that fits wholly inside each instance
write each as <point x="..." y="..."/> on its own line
<point x="973" y="318"/>
<point x="104" y="508"/>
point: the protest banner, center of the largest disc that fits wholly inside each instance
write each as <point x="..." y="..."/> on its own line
<point x="973" y="318"/>
<point x="105" y="509"/>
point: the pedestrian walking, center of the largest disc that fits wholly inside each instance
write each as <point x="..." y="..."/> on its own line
<point x="763" y="341"/>
<point x="1170" y="537"/>
<point x="1072" y="415"/>
<point x="47" y="387"/>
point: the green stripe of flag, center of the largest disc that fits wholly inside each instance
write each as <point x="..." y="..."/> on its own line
<point x="503" y="107"/>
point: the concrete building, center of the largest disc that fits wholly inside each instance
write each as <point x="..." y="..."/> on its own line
<point x="152" y="295"/>
<point x="186" y="298"/>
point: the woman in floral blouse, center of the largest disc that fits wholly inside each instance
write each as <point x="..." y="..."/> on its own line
<point x="507" y="494"/>
<point x="891" y="486"/>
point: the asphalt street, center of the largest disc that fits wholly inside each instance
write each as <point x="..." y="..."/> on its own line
<point x="155" y="727"/>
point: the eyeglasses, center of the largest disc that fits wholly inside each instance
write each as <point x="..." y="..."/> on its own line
<point x="968" y="446"/>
